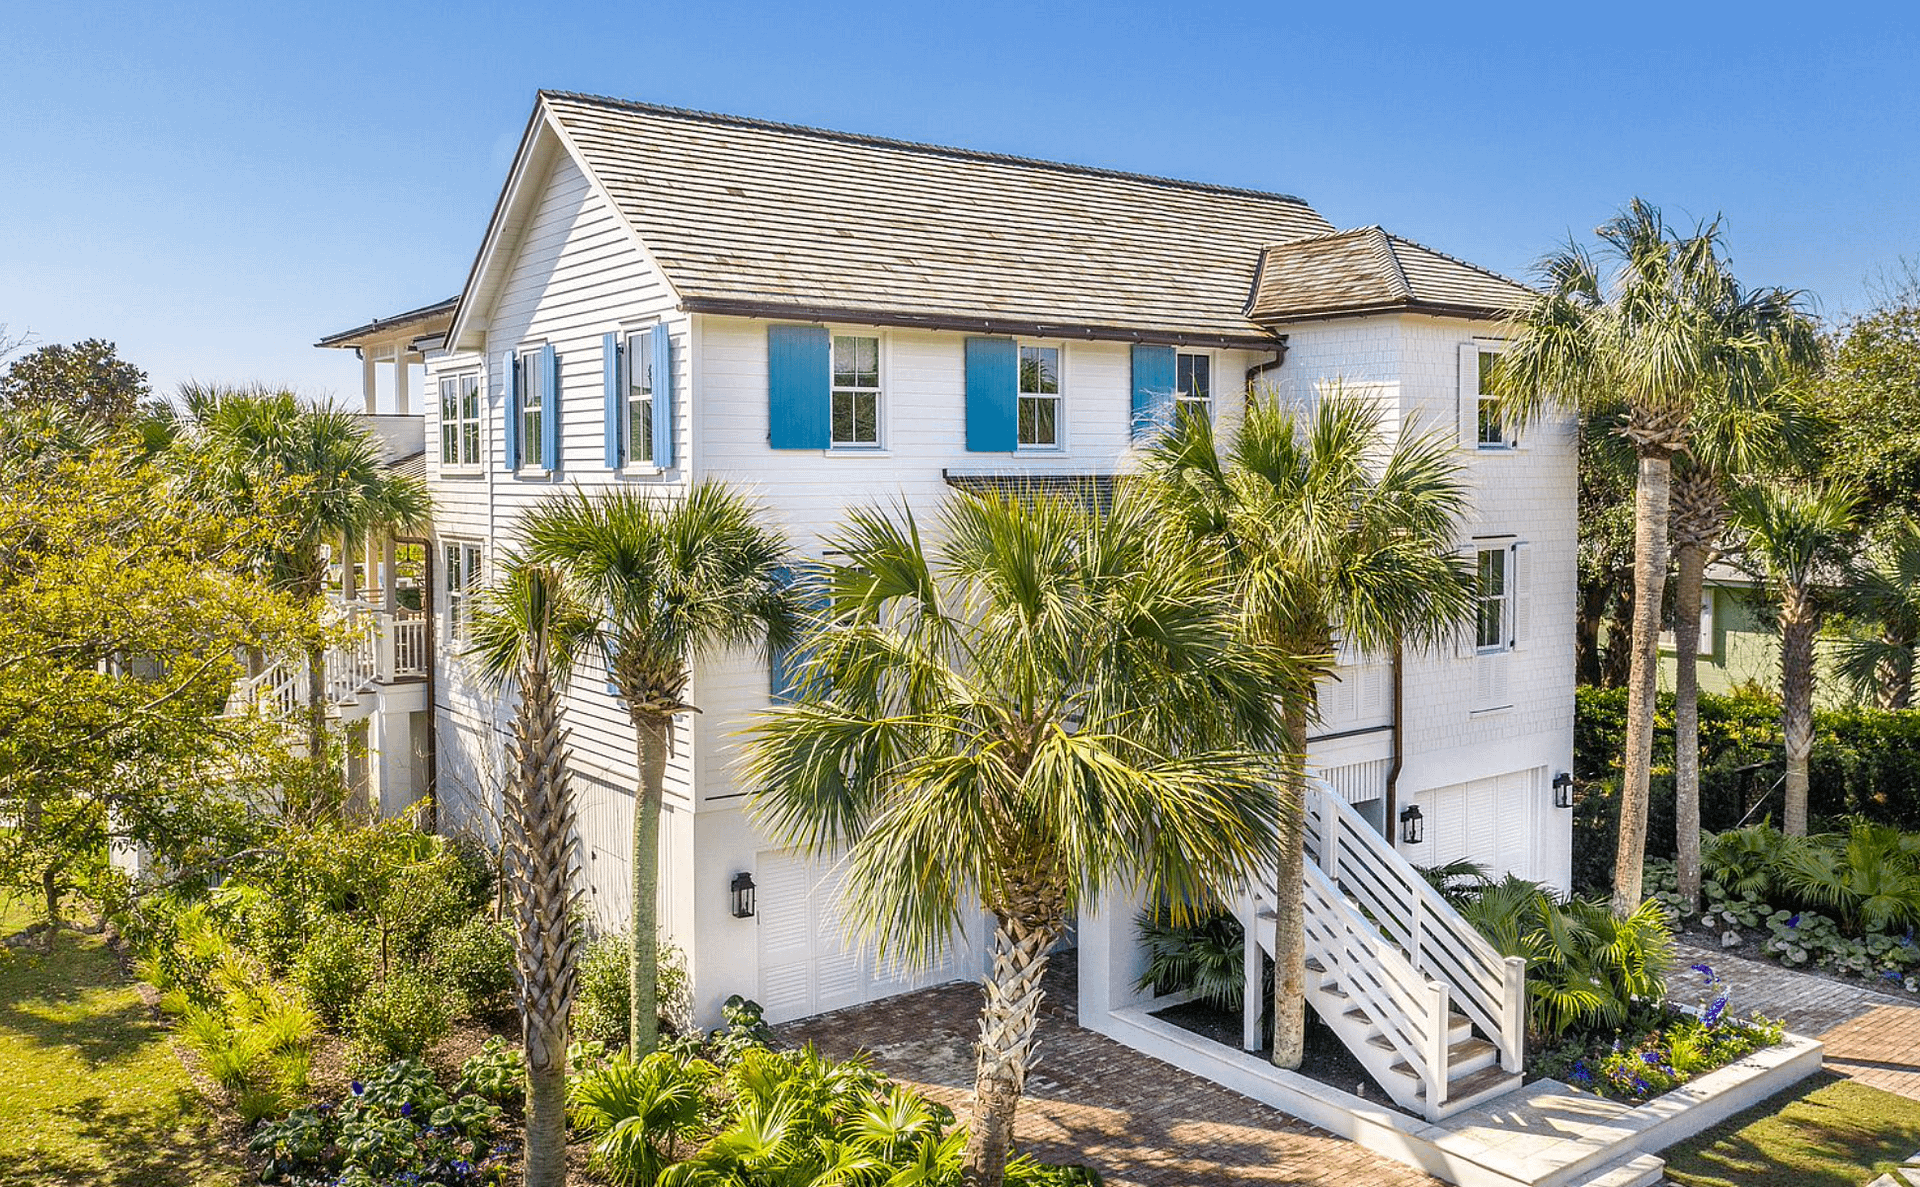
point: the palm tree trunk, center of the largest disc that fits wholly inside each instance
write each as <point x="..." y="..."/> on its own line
<point x="1798" y="623"/>
<point x="1289" y="906"/>
<point x="1594" y="597"/>
<point x="317" y="728"/>
<point x="1896" y="678"/>
<point x="651" y="733"/>
<point x="1615" y="668"/>
<point x="1686" y="720"/>
<point x="1651" y="496"/>
<point x="1021" y="946"/>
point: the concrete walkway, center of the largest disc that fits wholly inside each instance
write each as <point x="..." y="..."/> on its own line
<point x="1871" y="1036"/>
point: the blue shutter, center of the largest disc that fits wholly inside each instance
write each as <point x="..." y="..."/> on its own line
<point x="606" y="658"/>
<point x="663" y="433"/>
<point x="993" y="401"/>
<point x="1153" y="384"/>
<point x="510" y="415"/>
<point x="798" y="387"/>
<point x="549" y="408"/>
<point x="610" y="377"/>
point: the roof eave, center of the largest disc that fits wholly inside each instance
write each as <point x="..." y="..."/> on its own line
<point x="974" y="323"/>
<point x="1374" y="309"/>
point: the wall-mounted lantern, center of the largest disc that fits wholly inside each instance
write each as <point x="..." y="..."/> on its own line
<point x="1563" y="790"/>
<point x="742" y="891"/>
<point x="1412" y="828"/>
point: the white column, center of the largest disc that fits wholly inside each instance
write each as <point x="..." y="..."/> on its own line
<point x="388" y="600"/>
<point x="369" y="381"/>
<point x="389" y="760"/>
<point x="400" y="402"/>
<point x="350" y="552"/>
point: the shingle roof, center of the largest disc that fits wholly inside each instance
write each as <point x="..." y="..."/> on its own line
<point x="1368" y="270"/>
<point x="749" y="216"/>
<point x="425" y="320"/>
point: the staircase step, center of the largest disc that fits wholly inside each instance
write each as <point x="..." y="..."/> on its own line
<point x="1469" y="1091"/>
<point x="1464" y="1059"/>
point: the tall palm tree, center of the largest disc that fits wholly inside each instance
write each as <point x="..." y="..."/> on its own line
<point x="526" y="632"/>
<point x="1040" y="707"/>
<point x="314" y="473"/>
<point x="1648" y="333"/>
<point x="669" y="579"/>
<point x="1328" y="530"/>
<point x="1795" y="538"/>
<point x="1882" y="594"/>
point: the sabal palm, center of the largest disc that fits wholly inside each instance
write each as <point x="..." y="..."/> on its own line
<point x="1882" y="594"/>
<point x="526" y="631"/>
<point x="1650" y="331"/>
<point x="315" y="474"/>
<point x="670" y="579"/>
<point x="1039" y="707"/>
<point x="1327" y="529"/>
<point x="1794" y="538"/>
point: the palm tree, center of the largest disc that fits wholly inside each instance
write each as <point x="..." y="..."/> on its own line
<point x="669" y="579"/>
<point x="1040" y="707"/>
<point x="1649" y="340"/>
<point x="316" y="474"/>
<point x="1882" y="594"/>
<point x="526" y="632"/>
<point x="1328" y="531"/>
<point x="1794" y="539"/>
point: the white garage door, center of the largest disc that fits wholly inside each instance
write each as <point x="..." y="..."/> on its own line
<point x="1490" y="821"/>
<point x="808" y="965"/>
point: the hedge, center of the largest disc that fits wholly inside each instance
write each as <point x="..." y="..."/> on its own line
<point x="1865" y="762"/>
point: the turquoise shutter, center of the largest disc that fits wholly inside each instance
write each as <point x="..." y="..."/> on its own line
<point x="549" y="408"/>
<point x="798" y="387"/>
<point x="610" y="378"/>
<point x="510" y="416"/>
<point x="1153" y="384"/>
<point x="993" y="402"/>
<point x="663" y="433"/>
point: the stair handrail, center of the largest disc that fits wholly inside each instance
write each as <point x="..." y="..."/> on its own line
<point x="1488" y="988"/>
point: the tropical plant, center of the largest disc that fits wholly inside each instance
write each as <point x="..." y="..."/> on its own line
<point x="1794" y="538"/>
<point x="496" y="1073"/>
<point x="1044" y="703"/>
<point x="525" y="632"/>
<point x="1206" y="958"/>
<point x="638" y="1111"/>
<point x="1665" y="331"/>
<point x="1327" y="530"/>
<point x="668" y="580"/>
<point x="1882" y="598"/>
<point x="1869" y="876"/>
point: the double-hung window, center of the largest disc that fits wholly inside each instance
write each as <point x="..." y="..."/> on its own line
<point x="1490" y="421"/>
<point x="462" y="564"/>
<point x="639" y="380"/>
<point x="528" y="382"/>
<point x="460" y="420"/>
<point x="1193" y="384"/>
<point x="1493" y="600"/>
<point x="856" y="392"/>
<point x="1039" y="396"/>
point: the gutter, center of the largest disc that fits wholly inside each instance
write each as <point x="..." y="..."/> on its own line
<point x="1259" y="370"/>
<point x="1397" y="752"/>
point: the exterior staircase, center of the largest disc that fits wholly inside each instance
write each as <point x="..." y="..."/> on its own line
<point x="1433" y="1012"/>
<point x="380" y="647"/>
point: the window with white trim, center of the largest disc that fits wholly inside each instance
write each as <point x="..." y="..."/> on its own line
<point x="856" y="392"/>
<point x="1039" y="397"/>
<point x="529" y="385"/>
<point x="460" y="420"/>
<point x="1493" y="600"/>
<point x="1492" y="423"/>
<point x="638" y="422"/>
<point x="1193" y="383"/>
<point x="462" y="566"/>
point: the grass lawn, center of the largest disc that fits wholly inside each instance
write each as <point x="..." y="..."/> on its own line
<point x="1823" y="1132"/>
<point x="90" y="1089"/>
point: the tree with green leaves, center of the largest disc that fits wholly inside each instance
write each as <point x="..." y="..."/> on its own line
<point x="1604" y="605"/>
<point x="668" y="580"/>
<point x="1030" y="706"/>
<point x="526" y="632"/>
<point x="1648" y="332"/>
<point x="1329" y="530"/>
<point x="1795" y="538"/>
<point x="1871" y="395"/>
<point x="1882" y="600"/>
<point x="87" y="379"/>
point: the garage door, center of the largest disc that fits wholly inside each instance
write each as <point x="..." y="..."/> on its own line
<point x="1490" y="821"/>
<point x="808" y="965"/>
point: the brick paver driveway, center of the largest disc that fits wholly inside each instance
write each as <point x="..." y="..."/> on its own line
<point x="1873" y="1037"/>
<point x="1140" y="1122"/>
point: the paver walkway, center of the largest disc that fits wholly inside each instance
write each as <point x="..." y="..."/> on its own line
<point x="1090" y="1100"/>
<point x="1871" y="1036"/>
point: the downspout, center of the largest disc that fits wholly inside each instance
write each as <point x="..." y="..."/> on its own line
<point x="1259" y="370"/>
<point x="428" y="586"/>
<point x="1394" y="763"/>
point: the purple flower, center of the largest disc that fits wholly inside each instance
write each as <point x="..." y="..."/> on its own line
<point x="1640" y="1086"/>
<point x="406" y="1110"/>
<point x="1715" y="1009"/>
<point x="1651" y="1058"/>
<point x="1580" y="1073"/>
<point x="1793" y="920"/>
<point x="357" y="1087"/>
<point x="1705" y="970"/>
<point x="1891" y="974"/>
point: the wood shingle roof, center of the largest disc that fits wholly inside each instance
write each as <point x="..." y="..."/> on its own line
<point x="1368" y="270"/>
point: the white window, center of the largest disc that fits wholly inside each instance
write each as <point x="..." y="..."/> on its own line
<point x="527" y="381"/>
<point x="1193" y="387"/>
<point x="460" y="420"/>
<point x="856" y="391"/>
<point x="1040" y="396"/>
<point x="463" y="582"/>
<point x="1493" y="600"/>
<point x="639" y="418"/>
<point x="1490" y="423"/>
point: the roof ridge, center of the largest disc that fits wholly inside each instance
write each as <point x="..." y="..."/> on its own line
<point x="1468" y="264"/>
<point x="918" y="146"/>
<point x="1396" y="275"/>
<point x="1324" y="236"/>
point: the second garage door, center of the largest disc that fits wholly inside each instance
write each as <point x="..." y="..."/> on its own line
<point x="1490" y="821"/>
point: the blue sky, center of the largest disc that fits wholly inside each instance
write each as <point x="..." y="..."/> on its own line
<point x="215" y="186"/>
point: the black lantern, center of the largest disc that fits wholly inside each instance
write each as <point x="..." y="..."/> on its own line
<point x="742" y="890"/>
<point x="1563" y="790"/>
<point x="1411" y="827"/>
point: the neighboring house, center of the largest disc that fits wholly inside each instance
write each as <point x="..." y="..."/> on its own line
<point x="833" y="320"/>
<point x="1740" y="644"/>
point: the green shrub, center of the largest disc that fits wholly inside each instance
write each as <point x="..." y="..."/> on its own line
<point x="497" y="1073"/>
<point x="398" y="1127"/>
<point x="335" y="967"/>
<point x="602" y="1001"/>
<point x="1206" y="958"/>
<point x="638" y="1113"/>
<point x="400" y="1016"/>
<point x="476" y="958"/>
